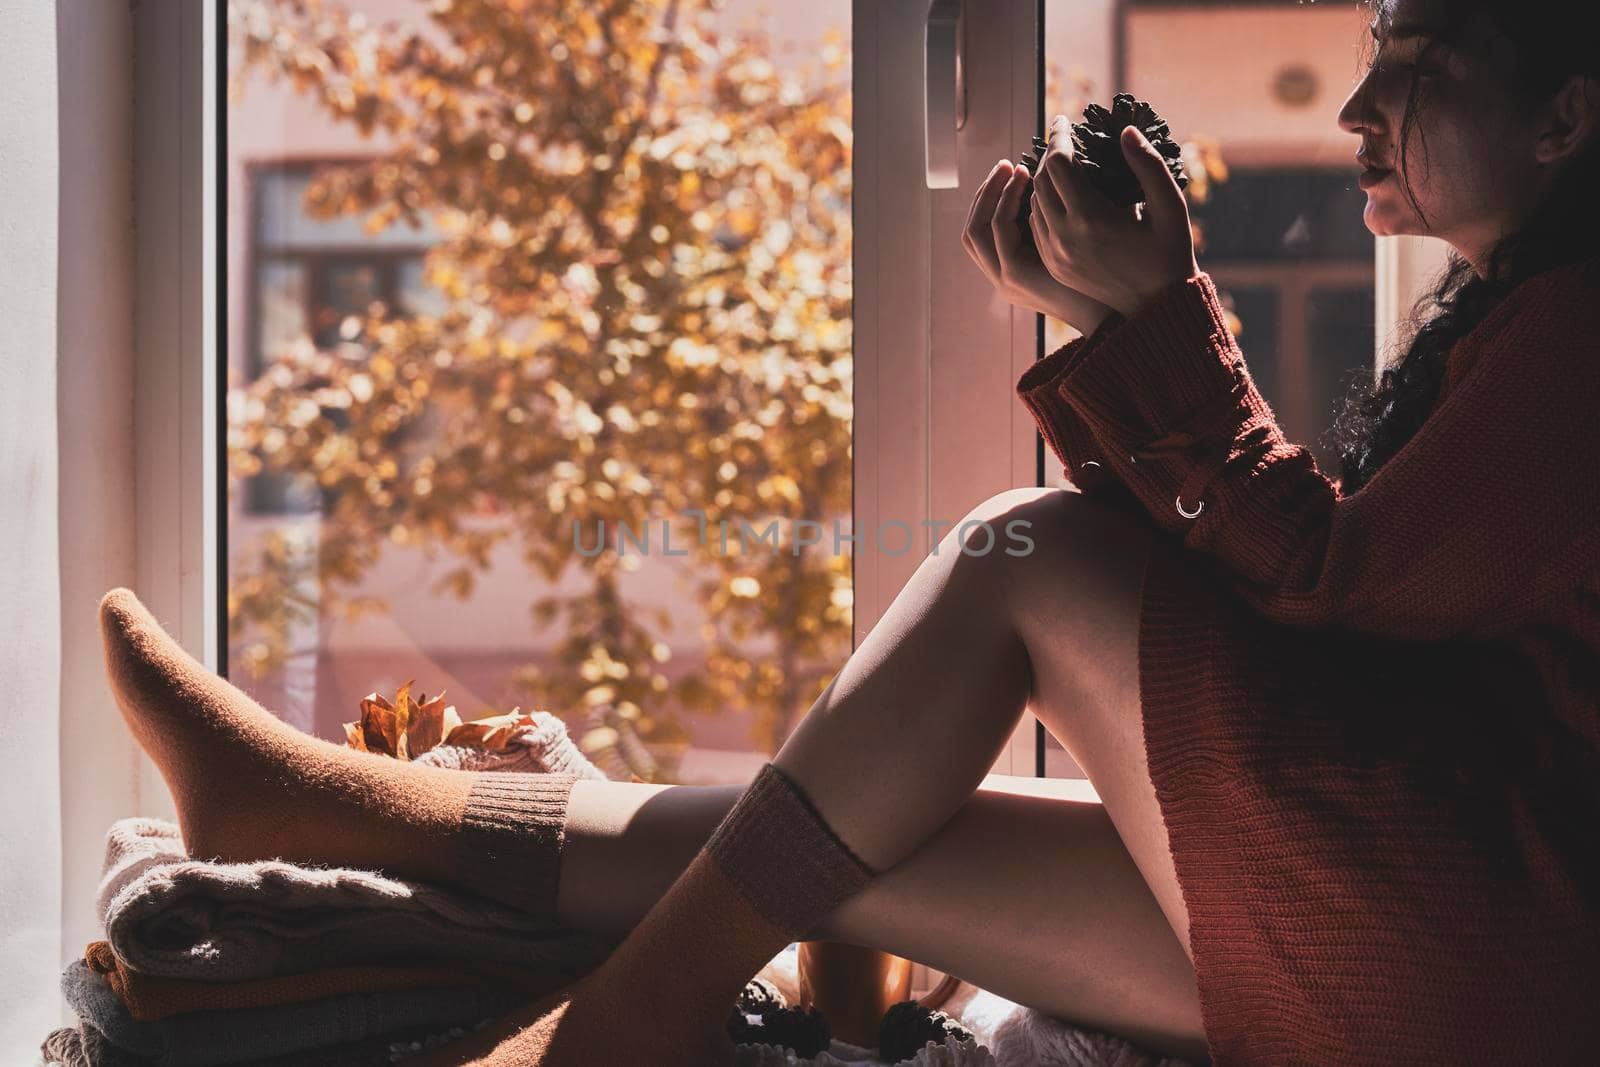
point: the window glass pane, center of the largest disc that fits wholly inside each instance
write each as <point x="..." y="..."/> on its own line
<point x="1340" y="329"/>
<point x="1289" y="213"/>
<point x="1256" y="311"/>
<point x="551" y="446"/>
<point x="1251" y="92"/>
<point x="343" y="294"/>
<point x="346" y="287"/>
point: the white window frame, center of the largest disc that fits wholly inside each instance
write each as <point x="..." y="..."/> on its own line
<point x="937" y="427"/>
<point x="177" y="403"/>
<point x="136" y="410"/>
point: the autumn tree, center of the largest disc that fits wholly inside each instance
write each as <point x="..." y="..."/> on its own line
<point x="646" y="273"/>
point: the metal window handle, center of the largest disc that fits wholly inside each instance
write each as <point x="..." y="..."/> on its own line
<point x="944" y="91"/>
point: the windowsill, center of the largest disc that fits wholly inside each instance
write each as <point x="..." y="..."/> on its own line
<point x="1080" y="789"/>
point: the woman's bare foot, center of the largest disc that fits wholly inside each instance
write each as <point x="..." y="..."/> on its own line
<point x="249" y="786"/>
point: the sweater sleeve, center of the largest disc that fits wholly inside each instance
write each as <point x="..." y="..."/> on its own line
<point x="1068" y="437"/>
<point x="1481" y="513"/>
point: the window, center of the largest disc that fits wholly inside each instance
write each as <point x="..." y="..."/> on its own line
<point x="316" y="279"/>
<point x="538" y="369"/>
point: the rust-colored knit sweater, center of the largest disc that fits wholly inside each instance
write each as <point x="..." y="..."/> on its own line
<point x="1372" y="721"/>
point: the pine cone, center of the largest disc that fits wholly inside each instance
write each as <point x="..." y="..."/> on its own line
<point x="908" y="1026"/>
<point x="1097" y="142"/>
<point x="759" y="997"/>
<point x="803" y="1030"/>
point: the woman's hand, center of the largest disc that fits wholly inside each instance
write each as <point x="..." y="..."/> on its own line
<point x="1111" y="254"/>
<point x="994" y="242"/>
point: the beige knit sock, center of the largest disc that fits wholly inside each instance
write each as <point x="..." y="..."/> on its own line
<point x="771" y="871"/>
<point x="248" y="786"/>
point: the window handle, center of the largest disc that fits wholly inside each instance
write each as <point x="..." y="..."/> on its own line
<point x="944" y="91"/>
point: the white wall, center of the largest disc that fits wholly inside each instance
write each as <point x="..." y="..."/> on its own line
<point x="100" y="761"/>
<point x="30" y="855"/>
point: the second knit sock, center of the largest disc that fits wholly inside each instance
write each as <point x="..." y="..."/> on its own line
<point x="769" y="874"/>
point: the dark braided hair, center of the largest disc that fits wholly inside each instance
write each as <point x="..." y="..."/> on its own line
<point x="1551" y="46"/>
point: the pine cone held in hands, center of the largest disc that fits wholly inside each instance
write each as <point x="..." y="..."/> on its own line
<point x="1097" y="142"/>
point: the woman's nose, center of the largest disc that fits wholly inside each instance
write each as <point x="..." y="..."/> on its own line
<point x="1358" y="114"/>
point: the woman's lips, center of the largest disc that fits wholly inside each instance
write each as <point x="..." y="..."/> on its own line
<point x="1370" y="178"/>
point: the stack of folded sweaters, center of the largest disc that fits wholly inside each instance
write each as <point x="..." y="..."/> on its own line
<point x="272" y="963"/>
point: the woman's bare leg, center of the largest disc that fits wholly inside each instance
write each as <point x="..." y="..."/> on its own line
<point x="897" y="744"/>
<point x="1031" y="898"/>
<point x="919" y="712"/>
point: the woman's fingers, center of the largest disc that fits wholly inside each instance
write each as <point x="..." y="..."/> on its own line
<point x="978" y="234"/>
<point x="985" y="191"/>
<point x="1049" y="212"/>
<point x="1072" y="189"/>
<point x="1003" y="224"/>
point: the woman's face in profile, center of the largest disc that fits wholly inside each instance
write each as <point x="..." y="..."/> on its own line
<point x="1469" y="157"/>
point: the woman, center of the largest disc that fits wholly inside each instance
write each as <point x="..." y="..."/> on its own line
<point x="1345" y="734"/>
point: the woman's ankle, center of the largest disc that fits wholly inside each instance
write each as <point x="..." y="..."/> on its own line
<point x="624" y="845"/>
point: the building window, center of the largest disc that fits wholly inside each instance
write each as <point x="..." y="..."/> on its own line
<point x="315" y="280"/>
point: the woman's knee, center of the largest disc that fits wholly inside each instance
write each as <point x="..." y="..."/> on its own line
<point x="1046" y="542"/>
<point x="1074" y="597"/>
<point x="1005" y="525"/>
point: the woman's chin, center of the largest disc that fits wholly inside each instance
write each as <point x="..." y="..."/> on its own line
<point x="1380" y="223"/>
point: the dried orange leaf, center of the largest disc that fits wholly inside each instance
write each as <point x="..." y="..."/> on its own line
<point x="380" y="725"/>
<point x="494" y="733"/>
<point x="407" y="728"/>
<point x="425" y="729"/>
<point x="404" y="709"/>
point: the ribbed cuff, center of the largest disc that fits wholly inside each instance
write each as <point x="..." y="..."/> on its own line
<point x="512" y="830"/>
<point x="1172" y="356"/>
<point x="1039" y="389"/>
<point x="1043" y="372"/>
<point x="776" y="847"/>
